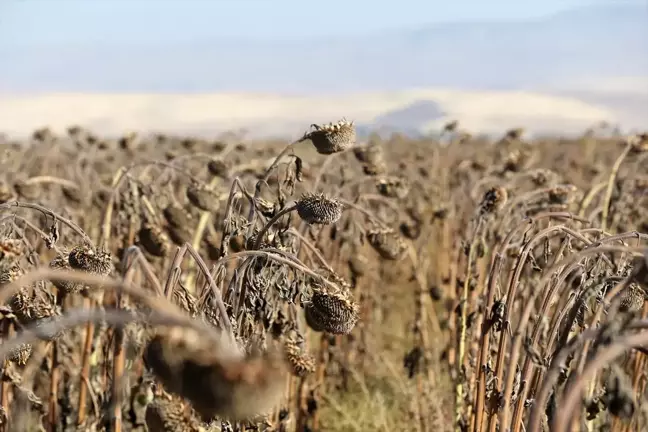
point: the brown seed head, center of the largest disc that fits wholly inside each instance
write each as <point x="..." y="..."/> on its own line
<point x="494" y="199"/>
<point x="203" y="198"/>
<point x="393" y="187"/>
<point x="10" y="273"/>
<point x="61" y="262"/>
<point x="267" y="208"/>
<point x="632" y="298"/>
<point x="153" y="239"/>
<point x="332" y="312"/>
<point x="374" y="169"/>
<point x="388" y="243"/>
<point x="562" y="194"/>
<point x="10" y="250"/>
<point x="638" y="143"/>
<point x="74" y="131"/>
<point x="451" y="126"/>
<point x="370" y="154"/>
<point x="543" y="177"/>
<point x="20" y="355"/>
<point x="515" y="160"/>
<point x="171" y="414"/>
<point x="212" y="246"/>
<point x="238" y="243"/>
<point x="91" y="260"/>
<point x="218" y="168"/>
<point x="316" y="208"/>
<point x="333" y="137"/>
<point x="301" y="363"/>
<point x="176" y="216"/>
<point x="34" y="307"/>
<point x="128" y="141"/>
<point x="179" y="236"/>
<point x="619" y="396"/>
<point x="640" y="270"/>
<point x="514" y="134"/>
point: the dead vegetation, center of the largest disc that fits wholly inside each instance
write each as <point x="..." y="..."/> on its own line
<point x="455" y="283"/>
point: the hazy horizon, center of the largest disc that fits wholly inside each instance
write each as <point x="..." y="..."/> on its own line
<point x="594" y="53"/>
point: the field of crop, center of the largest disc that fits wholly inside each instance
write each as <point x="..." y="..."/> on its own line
<point x="169" y="283"/>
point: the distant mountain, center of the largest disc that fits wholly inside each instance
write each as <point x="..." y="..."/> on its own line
<point x="598" y="41"/>
<point x="416" y="112"/>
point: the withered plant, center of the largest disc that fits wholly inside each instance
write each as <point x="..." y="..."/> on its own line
<point x="170" y="283"/>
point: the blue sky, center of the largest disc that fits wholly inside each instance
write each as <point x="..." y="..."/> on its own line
<point x="201" y="45"/>
<point x="42" y="22"/>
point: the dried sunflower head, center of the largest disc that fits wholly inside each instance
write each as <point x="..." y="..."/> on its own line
<point x="368" y="153"/>
<point x="493" y="200"/>
<point x="387" y="243"/>
<point x="212" y="247"/>
<point x="267" y="208"/>
<point x="176" y="216"/>
<point x="317" y="208"/>
<point x="451" y="126"/>
<point x="333" y="137"/>
<point x="331" y="311"/>
<point x="218" y="168"/>
<point x="36" y="307"/>
<point x="61" y="262"/>
<point x="562" y="194"/>
<point x="632" y="298"/>
<point x="543" y="177"/>
<point x="9" y="273"/>
<point x="514" y="134"/>
<point x="43" y="134"/>
<point x="178" y="235"/>
<point x="515" y="160"/>
<point x="619" y="398"/>
<point x="640" y="270"/>
<point x="393" y="187"/>
<point x="20" y="355"/>
<point x="153" y="239"/>
<point x="91" y="260"/>
<point x="10" y="250"/>
<point x="203" y="198"/>
<point x="639" y="143"/>
<point x="374" y="169"/>
<point x="301" y="363"/>
<point x="171" y="414"/>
